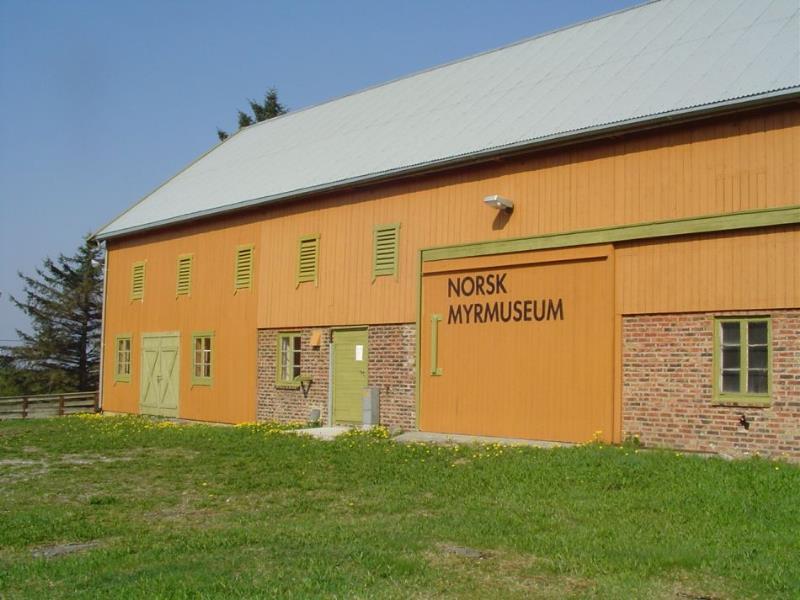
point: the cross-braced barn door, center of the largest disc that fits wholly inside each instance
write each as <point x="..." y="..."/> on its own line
<point x="160" y="375"/>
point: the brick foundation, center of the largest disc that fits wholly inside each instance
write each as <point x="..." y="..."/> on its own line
<point x="667" y="388"/>
<point x="390" y="367"/>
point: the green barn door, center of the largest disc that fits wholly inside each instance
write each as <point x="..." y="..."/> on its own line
<point x="349" y="374"/>
<point x="160" y="375"/>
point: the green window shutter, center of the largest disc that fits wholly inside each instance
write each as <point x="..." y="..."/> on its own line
<point x="243" y="279"/>
<point x="137" y="281"/>
<point x="184" y="284"/>
<point x="308" y="259"/>
<point x="384" y="250"/>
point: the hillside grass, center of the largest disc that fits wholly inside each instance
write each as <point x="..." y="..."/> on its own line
<point x="178" y="511"/>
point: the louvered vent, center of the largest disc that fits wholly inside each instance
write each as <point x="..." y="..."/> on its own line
<point x="244" y="268"/>
<point x="307" y="260"/>
<point x="184" y="285"/>
<point x="137" y="281"/>
<point x="384" y="252"/>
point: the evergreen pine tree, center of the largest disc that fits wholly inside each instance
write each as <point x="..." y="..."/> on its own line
<point x="244" y="119"/>
<point x="12" y="380"/>
<point x="64" y="302"/>
<point x="270" y="108"/>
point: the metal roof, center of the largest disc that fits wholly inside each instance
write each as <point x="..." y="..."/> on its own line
<point x="667" y="57"/>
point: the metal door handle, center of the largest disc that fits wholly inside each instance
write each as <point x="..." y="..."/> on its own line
<point x="435" y="368"/>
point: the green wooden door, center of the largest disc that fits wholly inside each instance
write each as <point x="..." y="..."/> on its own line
<point x="160" y="377"/>
<point x="349" y="374"/>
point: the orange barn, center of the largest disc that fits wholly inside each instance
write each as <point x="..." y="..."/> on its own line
<point x="590" y="233"/>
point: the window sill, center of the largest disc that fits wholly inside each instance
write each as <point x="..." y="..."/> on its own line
<point x="751" y="401"/>
<point x="201" y="382"/>
<point x="283" y="385"/>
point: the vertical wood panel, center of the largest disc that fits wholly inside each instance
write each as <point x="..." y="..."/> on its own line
<point x="733" y="271"/>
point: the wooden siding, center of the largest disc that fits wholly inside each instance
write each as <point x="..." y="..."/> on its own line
<point x="728" y="271"/>
<point x="212" y="305"/>
<point x="725" y="165"/>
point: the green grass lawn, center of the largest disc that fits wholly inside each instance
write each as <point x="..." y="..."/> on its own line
<point x="180" y="511"/>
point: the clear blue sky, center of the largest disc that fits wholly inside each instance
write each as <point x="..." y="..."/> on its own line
<point x="102" y="101"/>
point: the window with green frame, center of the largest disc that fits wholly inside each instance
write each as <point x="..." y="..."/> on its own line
<point x="202" y="358"/>
<point x="288" y="367"/>
<point x="122" y="361"/>
<point x="742" y="360"/>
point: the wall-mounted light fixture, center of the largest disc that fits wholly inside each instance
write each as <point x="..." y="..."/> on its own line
<point x="499" y="202"/>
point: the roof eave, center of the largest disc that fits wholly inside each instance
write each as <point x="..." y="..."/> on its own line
<point x="559" y="139"/>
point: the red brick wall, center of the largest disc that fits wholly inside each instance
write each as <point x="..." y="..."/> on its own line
<point x="391" y="369"/>
<point x="287" y="404"/>
<point x="667" y="388"/>
<point x="391" y="350"/>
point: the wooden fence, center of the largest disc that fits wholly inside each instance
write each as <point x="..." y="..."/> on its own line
<point x="48" y="405"/>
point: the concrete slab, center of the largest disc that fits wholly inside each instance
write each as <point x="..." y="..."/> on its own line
<point x="424" y="437"/>
<point x="415" y="437"/>
<point x="322" y="433"/>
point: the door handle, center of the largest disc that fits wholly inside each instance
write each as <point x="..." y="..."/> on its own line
<point x="435" y="368"/>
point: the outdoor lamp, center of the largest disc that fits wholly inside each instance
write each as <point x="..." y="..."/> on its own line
<point x="499" y="202"/>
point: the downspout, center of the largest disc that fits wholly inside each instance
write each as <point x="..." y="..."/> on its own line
<point x="103" y="329"/>
<point x="330" y="378"/>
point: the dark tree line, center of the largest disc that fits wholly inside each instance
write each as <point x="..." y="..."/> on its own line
<point x="64" y="301"/>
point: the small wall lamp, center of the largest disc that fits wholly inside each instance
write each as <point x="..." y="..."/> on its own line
<point x="499" y="202"/>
